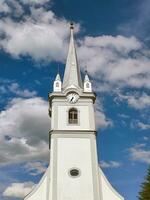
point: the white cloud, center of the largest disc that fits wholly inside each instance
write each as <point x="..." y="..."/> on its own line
<point x="136" y="100"/>
<point x="40" y="35"/>
<point x="137" y="124"/>
<point x="100" y="117"/>
<point x="14" y="8"/>
<point x="124" y="116"/>
<point x="139" y="102"/>
<point x="143" y="126"/>
<point x="18" y="190"/>
<point x="24" y="130"/>
<point x="35" y="2"/>
<point x="120" y="43"/>
<point x="35" y="168"/>
<point x="145" y="138"/>
<point x="110" y="164"/>
<point x="101" y="120"/>
<point x="139" y="154"/>
<point x="4" y="7"/>
<point x="115" y="61"/>
<point x="15" y="88"/>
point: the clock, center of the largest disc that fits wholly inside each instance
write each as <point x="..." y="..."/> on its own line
<point x="72" y="97"/>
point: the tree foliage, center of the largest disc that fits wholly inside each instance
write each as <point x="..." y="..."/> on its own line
<point x="144" y="194"/>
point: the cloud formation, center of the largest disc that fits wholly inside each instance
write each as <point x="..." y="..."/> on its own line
<point x="34" y="2"/>
<point x="100" y="117"/>
<point x="13" y="88"/>
<point x="13" y="8"/>
<point x="143" y="126"/>
<point x="39" y="35"/>
<point x="115" y="61"/>
<point x="139" y="102"/>
<point x="35" y="168"/>
<point x="18" y="190"/>
<point x="4" y="7"/>
<point x="24" y="130"/>
<point x="136" y="100"/>
<point x="110" y="164"/>
<point x="139" y="154"/>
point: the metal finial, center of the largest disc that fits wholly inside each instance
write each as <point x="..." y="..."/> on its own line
<point x="71" y="25"/>
<point x="86" y="70"/>
<point x="58" y="68"/>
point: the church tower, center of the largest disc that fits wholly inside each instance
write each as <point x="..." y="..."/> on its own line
<point x="74" y="172"/>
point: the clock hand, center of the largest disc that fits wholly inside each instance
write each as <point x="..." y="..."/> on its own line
<point x="71" y="99"/>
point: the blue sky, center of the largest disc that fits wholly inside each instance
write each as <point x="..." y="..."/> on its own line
<point x="112" y="39"/>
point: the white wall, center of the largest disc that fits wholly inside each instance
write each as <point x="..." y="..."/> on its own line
<point x="60" y="116"/>
<point x="74" y="152"/>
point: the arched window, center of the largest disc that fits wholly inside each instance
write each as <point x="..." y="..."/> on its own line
<point x="87" y="85"/>
<point x="57" y="84"/>
<point x="73" y="116"/>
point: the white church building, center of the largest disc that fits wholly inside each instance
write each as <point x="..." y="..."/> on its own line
<point x="74" y="172"/>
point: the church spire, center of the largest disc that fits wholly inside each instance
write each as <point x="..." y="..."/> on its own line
<point x="72" y="74"/>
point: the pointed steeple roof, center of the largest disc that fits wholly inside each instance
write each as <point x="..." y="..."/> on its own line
<point x="86" y="78"/>
<point x="72" y="74"/>
<point x="58" y="77"/>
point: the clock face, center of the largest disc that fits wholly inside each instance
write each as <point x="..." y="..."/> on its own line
<point x="72" y="97"/>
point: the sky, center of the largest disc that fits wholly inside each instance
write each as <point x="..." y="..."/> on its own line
<point x="112" y="41"/>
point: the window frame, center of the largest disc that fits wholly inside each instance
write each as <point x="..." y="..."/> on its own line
<point x="74" y="120"/>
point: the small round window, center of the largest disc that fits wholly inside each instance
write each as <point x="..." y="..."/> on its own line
<point x="74" y="172"/>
